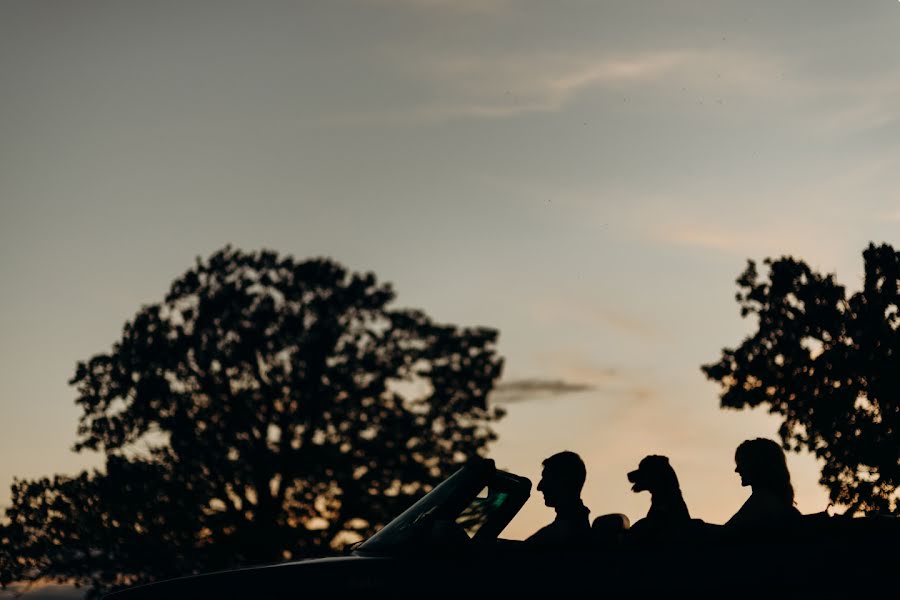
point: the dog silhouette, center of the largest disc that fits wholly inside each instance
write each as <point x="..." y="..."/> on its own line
<point x="667" y="508"/>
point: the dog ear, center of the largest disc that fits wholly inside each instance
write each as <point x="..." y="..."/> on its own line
<point x="657" y="460"/>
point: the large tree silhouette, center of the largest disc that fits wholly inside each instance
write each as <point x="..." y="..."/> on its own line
<point x="830" y="366"/>
<point x="265" y="409"/>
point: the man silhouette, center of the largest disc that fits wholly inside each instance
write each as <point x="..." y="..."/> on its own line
<point x="561" y="482"/>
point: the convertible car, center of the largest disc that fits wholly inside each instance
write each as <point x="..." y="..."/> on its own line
<point x="448" y="544"/>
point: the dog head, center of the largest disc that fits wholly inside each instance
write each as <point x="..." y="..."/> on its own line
<point x="654" y="474"/>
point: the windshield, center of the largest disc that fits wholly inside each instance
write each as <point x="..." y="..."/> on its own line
<point x="495" y="500"/>
<point x="477" y="499"/>
<point x="479" y="510"/>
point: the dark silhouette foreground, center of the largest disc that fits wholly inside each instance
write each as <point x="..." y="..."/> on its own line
<point x="561" y="483"/>
<point x="827" y="362"/>
<point x="762" y="466"/>
<point x="447" y="545"/>
<point x="265" y="409"/>
<point x="668" y="511"/>
<point x="269" y="409"/>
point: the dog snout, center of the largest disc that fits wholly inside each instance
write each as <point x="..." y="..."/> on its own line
<point x="632" y="476"/>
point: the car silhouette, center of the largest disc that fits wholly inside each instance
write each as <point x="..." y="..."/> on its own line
<point x="448" y="544"/>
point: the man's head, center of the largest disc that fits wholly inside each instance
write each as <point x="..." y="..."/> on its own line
<point x="562" y="478"/>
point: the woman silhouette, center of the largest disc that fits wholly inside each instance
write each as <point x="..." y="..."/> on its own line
<point x="762" y="466"/>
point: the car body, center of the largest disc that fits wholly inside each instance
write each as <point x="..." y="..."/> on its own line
<point x="448" y="544"/>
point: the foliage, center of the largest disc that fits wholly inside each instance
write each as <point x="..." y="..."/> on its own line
<point x="265" y="409"/>
<point x="828" y="364"/>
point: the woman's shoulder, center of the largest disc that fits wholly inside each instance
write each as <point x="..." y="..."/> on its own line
<point x="762" y="506"/>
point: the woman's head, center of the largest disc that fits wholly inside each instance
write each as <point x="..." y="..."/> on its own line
<point x="761" y="465"/>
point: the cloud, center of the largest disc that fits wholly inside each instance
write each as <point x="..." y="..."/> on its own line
<point x="725" y="237"/>
<point x="585" y="313"/>
<point x="462" y="6"/>
<point x="806" y="216"/>
<point x="613" y="383"/>
<point x="821" y="244"/>
<point x="519" y="81"/>
<point x="489" y="81"/>
<point x="520" y="390"/>
<point x="578" y="377"/>
<point x="483" y="87"/>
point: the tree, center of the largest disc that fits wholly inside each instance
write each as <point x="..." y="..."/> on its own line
<point x="830" y="366"/>
<point x="265" y="409"/>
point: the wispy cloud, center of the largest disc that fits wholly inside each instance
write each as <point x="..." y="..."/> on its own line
<point x="516" y="82"/>
<point x="571" y="364"/>
<point x="819" y="242"/>
<point x="725" y="237"/>
<point x="456" y="83"/>
<point x="530" y="389"/>
<point x="468" y="86"/>
<point x="478" y="86"/>
<point x="807" y="217"/>
<point x="464" y="6"/>
<point x="600" y="315"/>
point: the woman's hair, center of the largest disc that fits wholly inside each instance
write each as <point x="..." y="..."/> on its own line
<point x="764" y="463"/>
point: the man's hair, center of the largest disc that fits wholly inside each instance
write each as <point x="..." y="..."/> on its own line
<point x="568" y="468"/>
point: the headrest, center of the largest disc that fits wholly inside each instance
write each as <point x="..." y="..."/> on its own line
<point x="614" y="522"/>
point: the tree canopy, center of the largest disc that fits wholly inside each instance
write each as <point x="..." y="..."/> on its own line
<point x="267" y="408"/>
<point x="829" y="364"/>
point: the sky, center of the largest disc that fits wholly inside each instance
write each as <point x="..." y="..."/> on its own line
<point x="587" y="177"/>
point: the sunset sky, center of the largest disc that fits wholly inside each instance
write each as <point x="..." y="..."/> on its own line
<point x="587" y="177"/>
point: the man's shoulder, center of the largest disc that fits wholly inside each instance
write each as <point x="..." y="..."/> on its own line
<point x="546" y="534"/>
<point x="559" y="533"/>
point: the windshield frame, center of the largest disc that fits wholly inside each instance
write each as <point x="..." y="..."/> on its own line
<point x="409" y="531"/>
